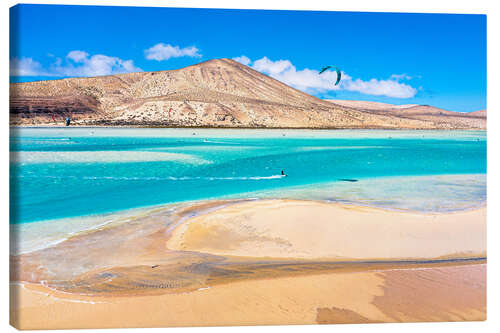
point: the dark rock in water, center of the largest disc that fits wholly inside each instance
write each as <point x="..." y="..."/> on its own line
<point x="348" y="180"/>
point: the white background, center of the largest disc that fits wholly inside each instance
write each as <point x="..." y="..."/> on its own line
<point x="491" y="8"/>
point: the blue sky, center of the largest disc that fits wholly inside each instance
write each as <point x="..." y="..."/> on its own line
<point x="436" y="59"/>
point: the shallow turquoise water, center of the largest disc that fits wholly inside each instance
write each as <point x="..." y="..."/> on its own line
<point x="60" y="173"/>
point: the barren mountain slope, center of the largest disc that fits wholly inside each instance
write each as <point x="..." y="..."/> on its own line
<point x="421" y="112"/>
<point x="480" y="114"/>
<point x="215" y="93"/>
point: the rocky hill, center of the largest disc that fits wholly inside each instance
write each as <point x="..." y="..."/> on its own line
<point x="215" y="93"/>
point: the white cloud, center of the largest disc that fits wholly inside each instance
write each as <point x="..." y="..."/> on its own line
<point x="398" y="77"/>
<point x="273" y="67"/>
<point x="95" y="65"/>
<point x="162" y="51"/>
<point x="310" y="81"/>
<point x="25" y="67"/>
<point x="77" y="56"/>
<point x="389" y="88"/>
<point x="243" y="60"/>
<point x="76" y="63"/>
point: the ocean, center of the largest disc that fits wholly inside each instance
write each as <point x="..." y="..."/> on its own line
<point x="67" y="173"/>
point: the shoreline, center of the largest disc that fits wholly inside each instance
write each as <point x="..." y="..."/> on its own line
<point x="279" y="241"/>
<point x="114" y="217"/>
<point x="289" y="193"/>
<point x="314" y="230"/>
<point x="254" y="128"/>
<point x="132" y="268"/>
<point x="416" y="295"/>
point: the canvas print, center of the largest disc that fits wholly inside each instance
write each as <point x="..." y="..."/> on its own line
<point x="211" y="167"/>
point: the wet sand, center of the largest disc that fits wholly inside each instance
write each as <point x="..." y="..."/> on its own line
<point x="452" y="293"/>
<point x="268" y="262"/>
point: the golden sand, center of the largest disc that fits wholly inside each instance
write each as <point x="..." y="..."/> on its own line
<point x="251" y="263"/>
<point x="307" y="229"/>
<point x="385" y="296"/>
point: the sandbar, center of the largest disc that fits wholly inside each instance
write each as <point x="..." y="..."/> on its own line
<point x="318" y="230"/>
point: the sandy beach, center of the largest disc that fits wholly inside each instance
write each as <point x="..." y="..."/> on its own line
<point x="308" y="229"/>
<point x="164" y="174"/>
<point x="452" y="293"/>
<point x="264" y="261"/>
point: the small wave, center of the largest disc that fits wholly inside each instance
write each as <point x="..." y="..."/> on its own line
<point x="191" y="178"/>
<point x="220" y="142"/>
<point x="156" y="178"/>
<point x="316" y="148"/>
<point x="39" y="140"/>
<point x="244" y="178"/>
<point x="55" y="139"/>
<point x="44" y="284"/>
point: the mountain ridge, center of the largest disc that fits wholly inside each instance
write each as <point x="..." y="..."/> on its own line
<point x="213" y="93"/>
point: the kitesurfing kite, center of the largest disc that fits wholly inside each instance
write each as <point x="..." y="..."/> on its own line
<point x="339" y="73"/>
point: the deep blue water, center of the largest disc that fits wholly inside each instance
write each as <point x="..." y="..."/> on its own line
<point x="59" y="173"/>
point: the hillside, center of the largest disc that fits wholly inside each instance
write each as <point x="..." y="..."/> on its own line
<point x="215" y="93"/>
<point x="480" y="114"/>
<point x="428" y="113"/>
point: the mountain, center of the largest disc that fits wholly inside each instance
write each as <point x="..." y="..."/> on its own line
<point x="215" y="93"/>
<point x="428" y="113"/>
<point x="480" y="114"/>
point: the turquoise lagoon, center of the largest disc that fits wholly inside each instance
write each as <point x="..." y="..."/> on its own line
<point x="59" y="174"/>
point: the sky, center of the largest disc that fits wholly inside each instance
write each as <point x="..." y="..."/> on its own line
<point x="434" y="59"/>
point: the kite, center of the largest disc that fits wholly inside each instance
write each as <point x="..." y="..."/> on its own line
<point x="339" y="73"/>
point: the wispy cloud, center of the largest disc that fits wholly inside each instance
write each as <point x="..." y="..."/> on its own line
<point x="163" y="51"/>
<point x="401" y="77"/>
<point x="242" y="60"/>
<point x="310" y="81"/>
<point x="76" y="63"/>
<point x="25" y="67"/>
